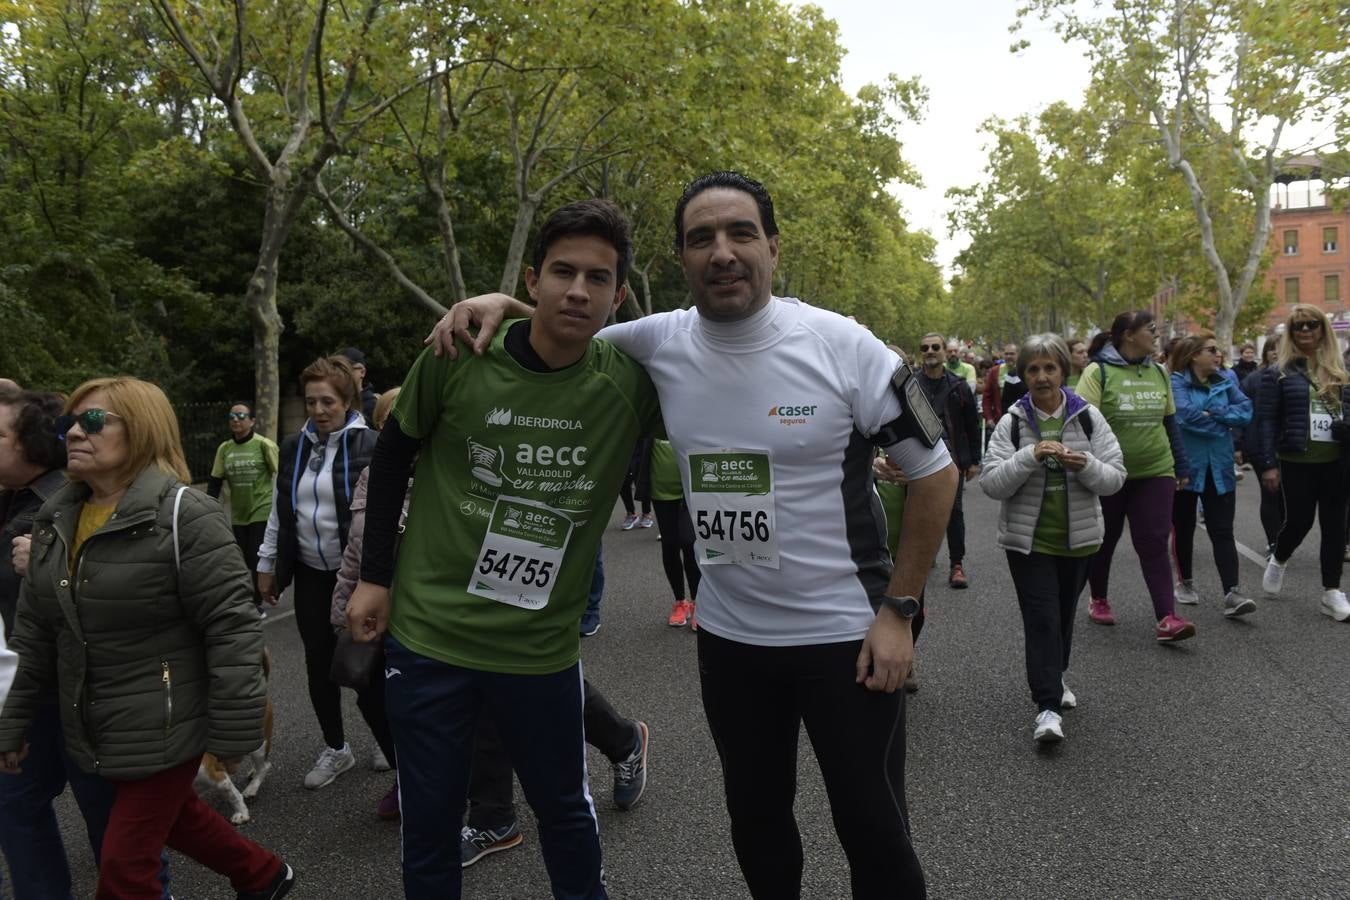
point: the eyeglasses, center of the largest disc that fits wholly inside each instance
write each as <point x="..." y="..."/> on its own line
<point x="1152" y="327"/>
<point x="238" y="416"/>
<point x="316" y="460"/>
<point x="91" y="421"/>
<point x="1209" y="349"/>
<point x="1307" y="325"/>
<point x="927" y="347"/>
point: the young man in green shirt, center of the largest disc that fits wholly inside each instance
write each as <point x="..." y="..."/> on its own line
<point x="248" y="463"/>
<point x="519" y="456"/>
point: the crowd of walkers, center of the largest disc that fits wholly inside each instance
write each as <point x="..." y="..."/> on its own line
<point x="449" y="580"/>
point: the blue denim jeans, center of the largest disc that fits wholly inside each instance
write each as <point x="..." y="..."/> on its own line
<point x="29" y="835"/>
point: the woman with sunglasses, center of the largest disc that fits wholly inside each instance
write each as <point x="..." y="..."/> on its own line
<point x="248" y="462"/>
<point x="1209" y="406"/>
<point x="1134" y="394"/>
<point x="136" y="610"/>
<point x="307" y="533"/>
<point x="1299" y="436"/>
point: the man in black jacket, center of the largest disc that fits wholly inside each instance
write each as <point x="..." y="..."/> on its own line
<point x="954" y="402"/>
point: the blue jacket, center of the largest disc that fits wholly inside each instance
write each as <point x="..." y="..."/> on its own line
<point x="1206" y="411"/>
<point x="1283" y="425"/>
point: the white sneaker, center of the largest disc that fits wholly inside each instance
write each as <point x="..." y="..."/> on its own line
<point x="1049" y="727"/>
<point x="330" y="764"/>
<point x="1068" y="699"/>
<point x="1185" y="593"/>
<point x="379" y="762"/>
<point x="1335" y="605"/>
<point x="1273" y="580"/>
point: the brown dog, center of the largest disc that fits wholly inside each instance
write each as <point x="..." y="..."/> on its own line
<point x="212" y="778"/>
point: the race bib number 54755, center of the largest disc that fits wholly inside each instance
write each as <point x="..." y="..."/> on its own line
<point x="732" y="506"/>
<point x="521" y="553"/>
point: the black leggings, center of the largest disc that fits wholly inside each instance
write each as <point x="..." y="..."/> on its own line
<point x="491" y="804"/>
<point x="677" y="547"/>
<point x="313" y="602"/>
<point x="1219" y="511"/>
<point x="756" y="700"/>
<point x="1314" y="490"/>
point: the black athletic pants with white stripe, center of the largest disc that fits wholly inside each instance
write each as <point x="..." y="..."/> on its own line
<point x="756" y="699"/>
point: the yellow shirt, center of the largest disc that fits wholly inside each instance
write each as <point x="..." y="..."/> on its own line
<point x="92" y="518"/>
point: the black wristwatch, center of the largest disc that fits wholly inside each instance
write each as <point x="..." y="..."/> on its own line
<point x="906" y="607"/>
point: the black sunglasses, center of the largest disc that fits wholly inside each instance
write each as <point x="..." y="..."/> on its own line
<point x="91" y="421"/>
<point x="930" y="346"/>
<point x="238" y="416"/>
<point x="1307" y="325"/>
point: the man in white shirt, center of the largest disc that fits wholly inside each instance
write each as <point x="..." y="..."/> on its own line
<point x="775" y="409"/>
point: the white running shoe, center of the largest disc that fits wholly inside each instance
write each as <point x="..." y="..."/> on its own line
<point x="1335" y="605"/>
<point x="1273" y="580"/>
<point x="330" y="764"/>
<point x="1068" y="699"/>
<point x="379" y="762"/>
<point x="1049" y="727"/>
<point x="1185" y="593"/>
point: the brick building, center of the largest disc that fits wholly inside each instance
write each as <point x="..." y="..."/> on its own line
<point x="1311" y="244"/>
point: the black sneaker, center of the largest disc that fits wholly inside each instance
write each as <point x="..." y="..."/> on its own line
<point x="280" y="887"/>
<point x="476" y="843"/>
<point x="630" y="775"/>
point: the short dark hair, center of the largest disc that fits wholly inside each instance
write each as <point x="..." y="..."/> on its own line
<point x="597" y="218"/>
<point x="252" y="410"/>
<point x="736" y="182"/>
<point x="35" y="426"/>
<point x="1127" y="322"/>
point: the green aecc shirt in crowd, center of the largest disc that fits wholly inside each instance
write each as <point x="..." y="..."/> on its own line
<point x="249" y="469"/>
<point x="665" y="469"/>
<point x="1135" y="401"/>
<point x="1052" y="527"/>
<point x="512" y="491"/>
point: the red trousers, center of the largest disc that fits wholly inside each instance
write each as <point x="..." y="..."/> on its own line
<point x="164" y="809"/>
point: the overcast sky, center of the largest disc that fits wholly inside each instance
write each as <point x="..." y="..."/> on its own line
<point x="960" y="51"/>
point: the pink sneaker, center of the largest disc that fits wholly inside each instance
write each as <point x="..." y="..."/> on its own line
<point x="680" y="613"/>
<point x="1099" y="611"/>
<point x="1174" y="628"/>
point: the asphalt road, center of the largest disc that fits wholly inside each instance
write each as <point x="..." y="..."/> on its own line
<point x="1213" y="768"/>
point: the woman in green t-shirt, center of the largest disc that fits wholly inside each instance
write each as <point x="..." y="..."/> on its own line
<point x="676" y="532"/>
<point x="1134" y="394"/>
<point x="1052" y="455"/>
<point x="1300" y="430"/>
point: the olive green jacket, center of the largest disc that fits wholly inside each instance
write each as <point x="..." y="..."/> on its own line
<point x="154" y="660"/>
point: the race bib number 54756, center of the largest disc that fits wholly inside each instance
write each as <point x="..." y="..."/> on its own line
<point x="731" y="503"/>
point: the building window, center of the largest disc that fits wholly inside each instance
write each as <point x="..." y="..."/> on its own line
<point x="1329" y="242"/>
<point x="1291" y="291"/>
<point x="1291" y="242"/>
<point x="1332" y="283"/>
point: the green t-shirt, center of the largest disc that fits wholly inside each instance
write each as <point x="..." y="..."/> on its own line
<point x="1052" y="527"/>
<point x="965" y="370"/>
<point x="1322" y="448"/>
<point x="666" y="484"/>
<point x="1135" y="401"/>
<point x="540" y="457"/>
<point x="249" y="469"/>
<point x="1072" y="382"/>
<point x="893" y="504"/>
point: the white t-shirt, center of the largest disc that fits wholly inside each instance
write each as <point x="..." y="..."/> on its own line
<point x="809" y="388"/>
<point x="9" y="662"/>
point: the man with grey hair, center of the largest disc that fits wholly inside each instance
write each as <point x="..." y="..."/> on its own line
<point x="958" y="366"/>
<point x="952" y="399"/>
